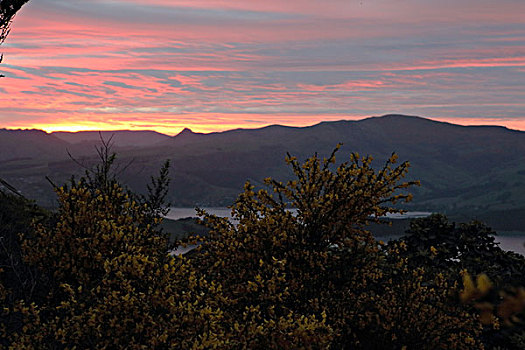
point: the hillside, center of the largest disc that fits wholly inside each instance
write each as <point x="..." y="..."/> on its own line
<point x="472" y="171"/>
<point x="30" y="145"/>
<point x="119" y="138"/>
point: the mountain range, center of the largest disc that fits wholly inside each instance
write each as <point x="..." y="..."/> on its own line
<point x="468" y="171"/>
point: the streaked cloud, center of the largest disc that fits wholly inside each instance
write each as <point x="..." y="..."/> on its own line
<point x="213" y="65"/>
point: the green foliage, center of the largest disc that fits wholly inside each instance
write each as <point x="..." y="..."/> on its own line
<point x="18" y="280"/>
<point x="448" y="247"/>
<point x="155" y="200"/>
<point x="103" y="177"/>
<point x="417" y="309"/>
<point x="456" y="250"/>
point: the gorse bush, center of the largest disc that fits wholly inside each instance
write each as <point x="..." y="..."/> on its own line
<point x="112" y="282"/>
<point x="321" y="262"/>
<point x="309" y="278"/>
<point x="109" y="280"/>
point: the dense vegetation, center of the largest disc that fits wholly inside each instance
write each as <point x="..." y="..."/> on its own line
<point x="98" y="274"/>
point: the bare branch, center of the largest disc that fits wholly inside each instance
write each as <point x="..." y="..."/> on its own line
<point x="10" y="187"/>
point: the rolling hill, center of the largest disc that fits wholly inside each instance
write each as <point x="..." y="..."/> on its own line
<point x="475" y="171"/>
<point x="30" y="144"/>
<point x="119" y="139"/>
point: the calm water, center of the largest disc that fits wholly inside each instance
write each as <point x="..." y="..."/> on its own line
<point x="513" y="242"/>
<point x="181" y="213"/>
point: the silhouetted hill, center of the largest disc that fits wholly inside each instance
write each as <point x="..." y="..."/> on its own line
<point x="119" y="138"/>
<point x="30" y="144"/>
<point x="476" y="171"/>
<point x="459" y="166"/>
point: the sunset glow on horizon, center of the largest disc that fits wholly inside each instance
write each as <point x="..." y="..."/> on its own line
<point x="211" y="65"/>
<point x="174" y="129"/>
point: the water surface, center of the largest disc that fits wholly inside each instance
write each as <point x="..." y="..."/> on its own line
<point x="513" y="241"/>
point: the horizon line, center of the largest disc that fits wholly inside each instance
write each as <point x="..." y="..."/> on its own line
<point x="465" y="122"/>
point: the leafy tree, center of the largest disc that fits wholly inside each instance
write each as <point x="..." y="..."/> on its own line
<point x="18" y="280"/>
<point x="470" y="249"/>
<point x="8" y="10"/>
<point x="450" y="248"/>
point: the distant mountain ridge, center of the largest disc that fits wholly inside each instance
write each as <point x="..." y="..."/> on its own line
<point x="477" y="170"/>
<point x="16" y="144"/>
<point x="120" y="138"/>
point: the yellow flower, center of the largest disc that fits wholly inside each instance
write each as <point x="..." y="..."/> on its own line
<point x="469" y="289"/>
<point x="483" y="283"/>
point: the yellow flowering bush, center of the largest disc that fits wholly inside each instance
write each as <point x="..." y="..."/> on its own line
<point x="295" y="269"/>
<point x="415" y="308"/>
<point x="112" y="282"/>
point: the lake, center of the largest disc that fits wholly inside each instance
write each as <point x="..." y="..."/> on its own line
<point x="512" y="241"/>
<point x="181" y="213"/>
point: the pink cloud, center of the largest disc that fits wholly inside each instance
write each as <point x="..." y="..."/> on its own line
<point x="216" y="64"/>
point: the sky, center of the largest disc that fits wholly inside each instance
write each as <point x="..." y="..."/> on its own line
<point x="214" y="65"/>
